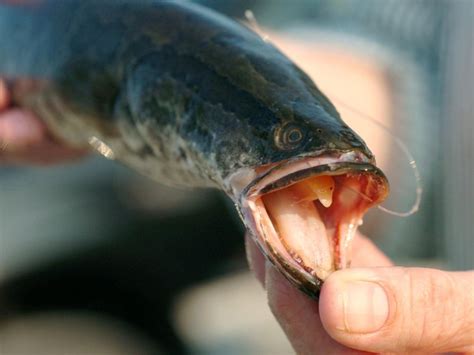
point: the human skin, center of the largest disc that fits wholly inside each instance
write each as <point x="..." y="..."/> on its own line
<point x="374" y="307"/>
<point x="24" y="139"/>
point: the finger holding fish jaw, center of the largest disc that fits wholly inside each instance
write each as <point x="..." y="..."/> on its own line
<point x="373" y="307"/>
<point x="298" y="314"/>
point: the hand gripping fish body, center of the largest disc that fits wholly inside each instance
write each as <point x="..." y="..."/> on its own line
<point x="191" y="98"/>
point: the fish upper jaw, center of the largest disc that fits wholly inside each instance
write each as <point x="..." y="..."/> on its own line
<point x="304" y="212"/>
<point x="240" y="182"/>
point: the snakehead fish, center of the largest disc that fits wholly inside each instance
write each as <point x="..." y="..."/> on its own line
<point x="191" y="98"/>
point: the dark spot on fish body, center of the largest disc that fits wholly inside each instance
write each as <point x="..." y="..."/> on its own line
<point x="88" y="86"/>
<point x="182" y="154"/>
<point x="145" y="152"/>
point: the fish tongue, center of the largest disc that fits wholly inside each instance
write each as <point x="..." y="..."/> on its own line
<point x="301" y="230"/>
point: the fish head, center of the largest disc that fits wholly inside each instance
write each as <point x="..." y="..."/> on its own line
<point x="305" y="204"/>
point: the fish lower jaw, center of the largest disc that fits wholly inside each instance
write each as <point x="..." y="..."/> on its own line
<point x="306" y="227"/>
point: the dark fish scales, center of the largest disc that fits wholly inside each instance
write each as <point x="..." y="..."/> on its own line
<point x="191" y="98"/>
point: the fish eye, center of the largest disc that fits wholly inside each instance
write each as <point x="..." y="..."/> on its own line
<point x="294" y="136"/>
<point x="289" y="136"/>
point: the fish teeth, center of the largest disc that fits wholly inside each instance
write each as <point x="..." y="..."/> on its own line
<point x="323" y="187"/>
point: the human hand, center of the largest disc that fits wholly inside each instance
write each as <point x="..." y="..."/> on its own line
<point x="24" y="139"/>
<point x="373" y="307"/>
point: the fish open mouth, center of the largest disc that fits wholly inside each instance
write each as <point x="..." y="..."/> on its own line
<point x="304" y="213"/>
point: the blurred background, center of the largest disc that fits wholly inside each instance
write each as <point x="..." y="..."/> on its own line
<point x="97" y="260"/>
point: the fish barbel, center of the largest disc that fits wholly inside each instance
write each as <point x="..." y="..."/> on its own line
<point x="191" y="98"/>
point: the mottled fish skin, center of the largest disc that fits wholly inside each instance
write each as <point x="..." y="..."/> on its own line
<point x="178" y="92"/>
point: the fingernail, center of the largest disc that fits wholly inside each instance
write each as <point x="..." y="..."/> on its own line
<point x="365" y="307"/>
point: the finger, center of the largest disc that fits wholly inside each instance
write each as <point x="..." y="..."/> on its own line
<point x="400" y="309"/>
<point x="24" y="139"/>
<point x="45" y="153"/>
<point x="20" y="129"/>
<point x="255" y="259"/>
<point x="366" y="254"/>
<point x="4" y="95"/>
<point x="297" y="314"/>
<point x="299" y="318"/>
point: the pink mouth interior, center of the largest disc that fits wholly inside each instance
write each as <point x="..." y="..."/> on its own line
<point x="311" y="232"/>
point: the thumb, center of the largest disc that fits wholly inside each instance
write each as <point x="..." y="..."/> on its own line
<point x="400" y="309"/>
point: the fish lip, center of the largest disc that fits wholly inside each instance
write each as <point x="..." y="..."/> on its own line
<point x="329" y="164"/>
